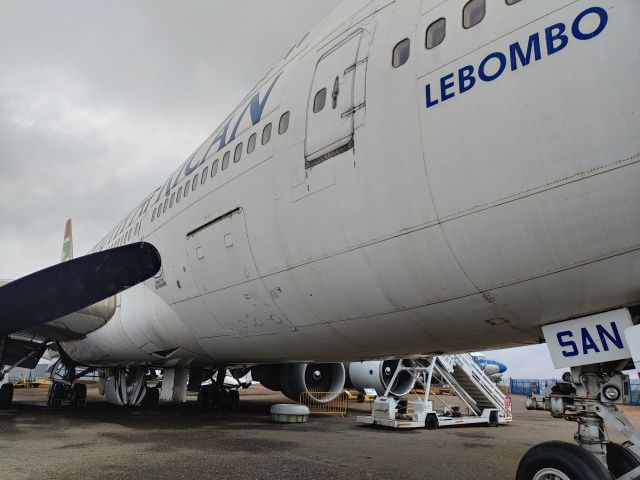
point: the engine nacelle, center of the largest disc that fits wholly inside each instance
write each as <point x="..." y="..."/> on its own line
<point x="377" y="374"/>
<point x="295" y="379"/>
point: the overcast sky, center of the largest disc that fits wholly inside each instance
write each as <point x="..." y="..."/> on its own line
<point x="100" y="101"/>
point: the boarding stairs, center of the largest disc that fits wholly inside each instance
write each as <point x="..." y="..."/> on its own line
<point x="474" y="387"/>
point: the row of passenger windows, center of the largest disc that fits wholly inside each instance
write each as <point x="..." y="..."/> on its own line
<point x="210" y="172"/>
<point x="473" y="13"/>
<point x="126" y="237"/>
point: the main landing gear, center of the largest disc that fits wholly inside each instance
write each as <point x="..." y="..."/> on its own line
<point x="589" y="395"/>
<point x="6" y="388"/>
<point x="217" y="396"/>
<point x="6" y="392"/>
<point x="65" y="391"/>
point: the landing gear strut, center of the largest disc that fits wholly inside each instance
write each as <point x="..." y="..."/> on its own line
<point x="6" y="389"/>
<point x="65" y="390"/>
<point x="589" y="396"/>
<point x="218" y="397"/>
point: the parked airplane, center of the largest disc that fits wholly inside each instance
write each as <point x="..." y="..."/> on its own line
<point x="414" y="177"/>
<point x="489" y="366"/>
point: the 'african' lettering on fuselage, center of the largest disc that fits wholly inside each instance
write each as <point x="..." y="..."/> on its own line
<point x="495" y="64"/>
<point x="223" y="135"/>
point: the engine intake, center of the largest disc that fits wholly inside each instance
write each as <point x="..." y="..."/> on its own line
<point x="310" y="378"/>
<point x="377" y="374"/>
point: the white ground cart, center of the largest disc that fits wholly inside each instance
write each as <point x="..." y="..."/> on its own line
<point x="390" y="412"/>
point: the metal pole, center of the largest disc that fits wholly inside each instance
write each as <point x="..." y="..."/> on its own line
<point x="427" y="387"/>
<point x="3" y="345"/>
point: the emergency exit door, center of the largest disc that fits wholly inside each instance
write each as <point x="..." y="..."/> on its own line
<point x="333" y="100"/>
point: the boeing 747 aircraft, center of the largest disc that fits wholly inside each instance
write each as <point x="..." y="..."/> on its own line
<point x="415" y="177"/>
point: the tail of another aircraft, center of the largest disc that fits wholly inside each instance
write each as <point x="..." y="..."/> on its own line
<point x="67" y="244"/>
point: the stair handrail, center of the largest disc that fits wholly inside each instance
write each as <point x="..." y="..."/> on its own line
<point x="462" y="394"/>
<point x="482" y="381"/>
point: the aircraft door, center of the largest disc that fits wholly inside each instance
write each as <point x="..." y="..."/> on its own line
<point x="337" y="92"/>
<point x="223" y="268"/>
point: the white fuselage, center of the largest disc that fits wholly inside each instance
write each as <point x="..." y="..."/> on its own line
<point x="458" y="202"/>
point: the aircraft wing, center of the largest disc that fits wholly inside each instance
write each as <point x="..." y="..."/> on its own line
<point x="29" y="303"/>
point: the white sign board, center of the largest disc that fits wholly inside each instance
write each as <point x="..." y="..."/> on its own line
<point x="371" y="392"/>
<point x="594" y="339"/>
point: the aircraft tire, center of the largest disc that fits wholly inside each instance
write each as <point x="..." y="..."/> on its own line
<point x="563" y="460"/>
<point x="621" y="460"/>
<point x="6" y="396"/>
<point x="151" y="397"/>
<point x="203" y="398"/>
<point x="234" y="400"/>
<point x="79" y="394"/>
<point x="56" y="395"/>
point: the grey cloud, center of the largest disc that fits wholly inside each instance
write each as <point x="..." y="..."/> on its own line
<point x="100" y="101"/>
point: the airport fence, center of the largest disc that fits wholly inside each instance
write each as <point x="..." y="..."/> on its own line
<point x="530" y="386"/>
<point x="634" y="397"/>
<point x="537" y="386"/>
<point x="326" y="403"/>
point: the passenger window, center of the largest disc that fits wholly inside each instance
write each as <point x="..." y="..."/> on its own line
<point x="186" y="188"/>
<point x="401" y="53"/>
<point x="179" y="196"/>
<point x="173" y="197"/>
<point x="214" y="168"/>
<point x="225" y="160"/>
<point x="164" y="207"/>
<point x="320" y="100"/>
<point x="204" y="176"/>
<point x="251" y="144"/>
<point x="512" y="2"/>
<point x="194" y="185"/>
<point x="284" y="123"/>
<point x="436" y="33"/>
<point x="237" y="155"/>
<point x="473" y="13"/>
<point x="266" y="135"/>
<point x="153" y="215"/>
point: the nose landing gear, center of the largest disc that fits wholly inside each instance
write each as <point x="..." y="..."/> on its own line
<point x="589" y="396"/>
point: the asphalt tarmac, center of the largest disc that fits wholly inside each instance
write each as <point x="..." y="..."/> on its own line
<point x="180" y="441"/>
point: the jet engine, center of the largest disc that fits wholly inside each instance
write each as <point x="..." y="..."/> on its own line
<point x="377" y="374"/>
<point x="295" y="379"/>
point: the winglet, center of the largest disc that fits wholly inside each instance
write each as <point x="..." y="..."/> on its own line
<point x="67" y="244"/>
